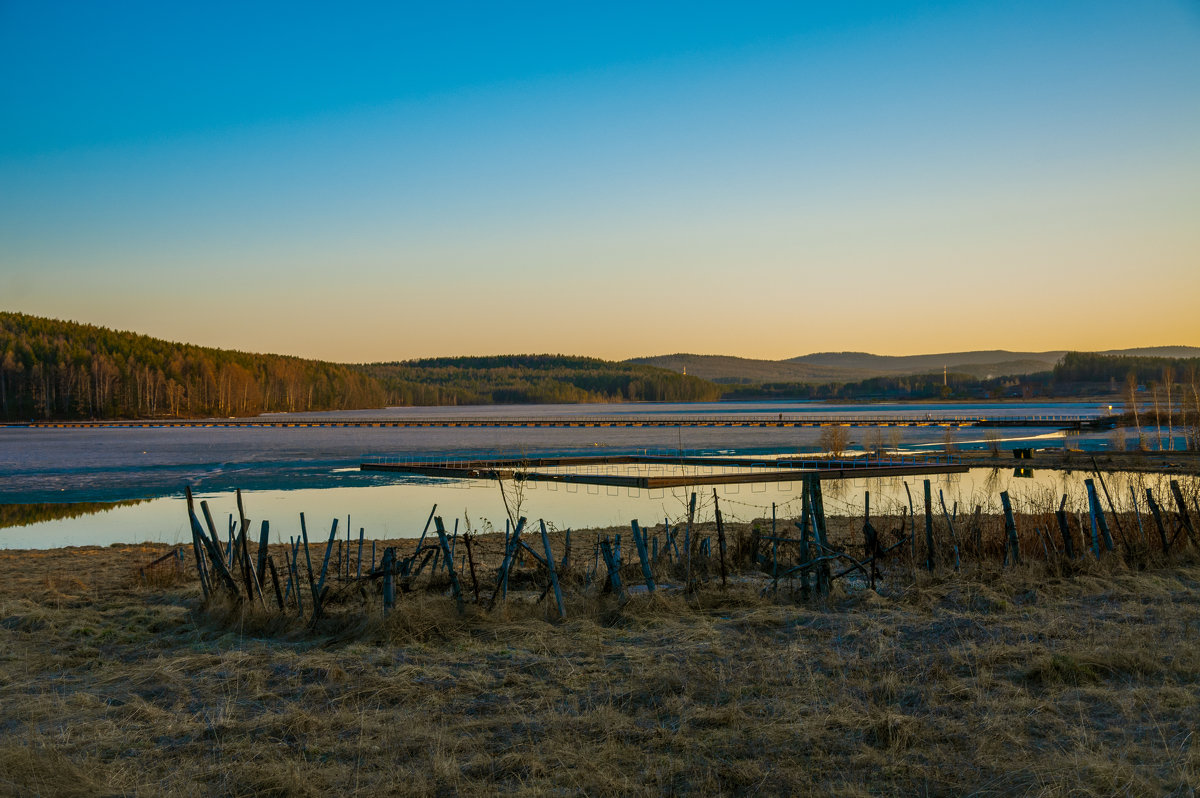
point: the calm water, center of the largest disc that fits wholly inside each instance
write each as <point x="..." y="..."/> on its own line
<point x="401" y="509"/>
<point x="314" y="470"/>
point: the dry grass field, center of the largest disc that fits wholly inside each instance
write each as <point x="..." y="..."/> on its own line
<point x="1017" y="682"/>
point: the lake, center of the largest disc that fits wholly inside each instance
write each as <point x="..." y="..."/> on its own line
<point x="285" y="471"/>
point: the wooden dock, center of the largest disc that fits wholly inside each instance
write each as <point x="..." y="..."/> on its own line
<point x="753" y="470"/>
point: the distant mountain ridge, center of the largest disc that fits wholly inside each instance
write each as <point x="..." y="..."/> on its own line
<point x="822" y="367"/>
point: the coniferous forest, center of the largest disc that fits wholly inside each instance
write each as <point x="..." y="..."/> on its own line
<point x="59" y="369"/>
<point x="64" y="370"/>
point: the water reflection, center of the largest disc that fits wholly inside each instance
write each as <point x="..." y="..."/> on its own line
<point x="26" y="514"/>
<point x="399" y="510"/>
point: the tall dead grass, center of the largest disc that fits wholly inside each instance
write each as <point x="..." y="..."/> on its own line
<point x="988" y="681"/>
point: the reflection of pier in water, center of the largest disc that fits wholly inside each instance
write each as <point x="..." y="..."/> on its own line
<point x="735" y="469"/>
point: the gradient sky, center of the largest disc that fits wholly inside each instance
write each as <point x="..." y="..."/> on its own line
<point x="362" y="182"/>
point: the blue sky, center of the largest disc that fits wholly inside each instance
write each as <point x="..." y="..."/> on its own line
<point x="381" y="182"/>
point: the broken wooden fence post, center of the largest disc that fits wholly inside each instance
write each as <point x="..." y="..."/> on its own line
<point x="358" y="563"/>
<point x="1111" y="508"/>
<point x="1098" y="513"/>
<point x="1183" y="512"/>
<point x="1010" y="527"/>
<point x="1137" y="511"/>
<point x="264" y="539"/>
<point x="639" y="539"/>
<point x="319" y="594"/>
<point x="687" y="538"/>
<point x="312" y="582"/>
<point x="275" y="581"/>
<point x="212" y="546"/>
<point x="509" y="552"/>
<point x="197" y="547"/>
<point x="612" y="562"/>
<point x="929" y="557"/>
<point x="950" y="524"/>
<point x="253" y="589"/>
<point x="976" y="532"/>
<point x="820" y="533"/>
<point x="720" y="535"/>
<point x="471" y="564"/>
<point x="558" y="598"/>
<point x="1063" y="529"/>
<point x="1156" y="511"/>
<point x="455" y="589"/>
<point x="1095" y="528"/>
<point x="389" y="579"/>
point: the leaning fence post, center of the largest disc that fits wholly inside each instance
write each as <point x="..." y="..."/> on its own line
<point x="639" y="539"/>
<point x="325" y="568"/>
<point x="455" y="589"/>
<point x="509" y="552"/>
<point x="612" y="561"/>
<point x="558" y="598"/>
<point x="213" y="545"/>
<point x="1098" y="514"/>
<point x="1156" y="511"/>
<point x="1137" y="511"/>
<point x="1183" y="511"/>
<point x="275" y="581"/>
<point x="312" y="582"/>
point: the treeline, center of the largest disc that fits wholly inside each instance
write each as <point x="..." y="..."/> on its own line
<point x="913" y="387"/>
<point x="64" y="370"/>
<point x="58" y="369"/>
<point x="1120" y="369"/>
<point x="1076" y="374"/>
<point x="534" y="379"/>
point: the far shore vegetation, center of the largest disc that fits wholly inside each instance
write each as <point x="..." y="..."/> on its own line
<point x="53" y="369"/>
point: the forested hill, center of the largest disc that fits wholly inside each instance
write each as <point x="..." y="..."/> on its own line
<point x="535" y="379"/>
<point x="59" y="369"/>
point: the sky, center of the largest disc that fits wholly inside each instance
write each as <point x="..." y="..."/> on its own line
<point x="365" y="182"/>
